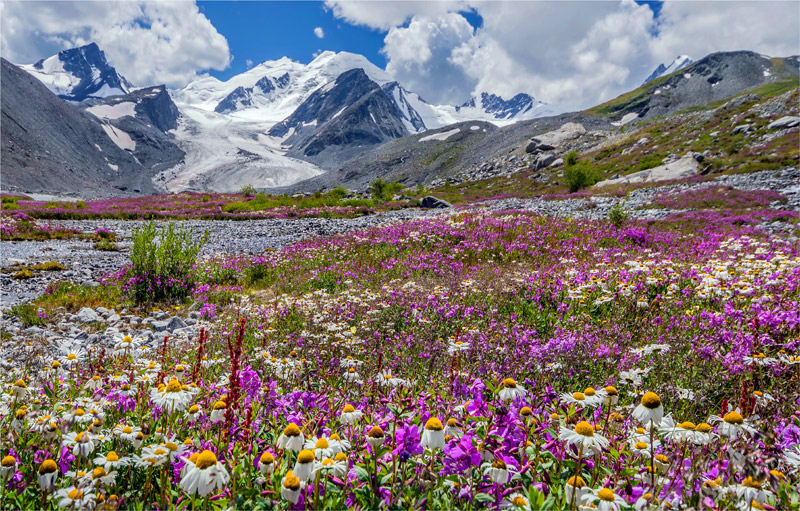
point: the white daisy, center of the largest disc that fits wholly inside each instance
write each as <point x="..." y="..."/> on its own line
<point x="433" y="434"/>
<point x="650" y="409"/>
<point x="583" y="438"/>
<point x="510" y="390"/>
<point x="205" y="475"/>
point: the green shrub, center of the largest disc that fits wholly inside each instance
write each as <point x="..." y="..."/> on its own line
<point x="27" y="314"/>
<point x="338" y="193"/>
<point x="248" y="190"/>
<point x="617" y="215"/>
<point x="381" y="190"/>
<point x="162" y="262"/>
<point x="579" y="176"/>
<point x="80" y="204"/>
<point x="571" y="158"/>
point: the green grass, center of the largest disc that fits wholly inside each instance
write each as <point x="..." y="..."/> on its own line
<point x="263" y="202"/>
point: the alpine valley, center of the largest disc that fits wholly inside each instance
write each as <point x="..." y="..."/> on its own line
<point x="72" y="125"/>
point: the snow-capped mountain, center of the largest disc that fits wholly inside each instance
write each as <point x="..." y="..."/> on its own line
<point x="272" y="90"/>
<point x="680" y="62"/>
<point x="79" y="73"/>
<point x="493" y="108"/>
<point x="341" y="119"/>
<point x="102" y="147"/>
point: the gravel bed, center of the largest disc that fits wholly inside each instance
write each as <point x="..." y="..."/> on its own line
<point x="86" y="265"/>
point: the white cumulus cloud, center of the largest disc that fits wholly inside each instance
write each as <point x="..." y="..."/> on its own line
<point x="319" y="32"/>
<point x="147" y="42"/>
<point x="573" y="54"/>
<point x="421" y="56"/>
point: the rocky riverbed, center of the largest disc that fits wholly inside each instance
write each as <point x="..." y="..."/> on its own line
<point x="785" y="181"/>
<point x="86" y="265"/>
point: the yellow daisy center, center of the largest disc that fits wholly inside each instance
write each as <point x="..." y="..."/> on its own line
<point x="733" y="418"/>
<point x="340" y="456"/>
<point x="305" y="456"/>
<point x="75" y="494"/>
<point x="640" y="445"/>
<point x="576" y="483"/>
<point x="583" y="428"/>
<point x="687" y="425"/>
<point x="112" y="457"/>
<point x="434" y="424"/>
<point x="589" y="392"/>
<point x="206" y="459"/>
<point x="519" y="502"/>
<point x="606" y="494"/>
<point x="651" y="400"/>
<point x="751" y="483"/>
<point x="8" y="461"/>
<point x="509" y="383"/>
<point x="321" y="444"/>
<point x="173" y="386"/>
<point x="375" y="432"/>
<point x="267" y="458"/>
<point x="499" y="464"/>
<point x="291" y="482"/>
<point x="292" y="430"/>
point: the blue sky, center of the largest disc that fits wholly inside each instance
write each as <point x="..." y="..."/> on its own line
<point x="569" y="53"/>
<point x="261" y="31"/>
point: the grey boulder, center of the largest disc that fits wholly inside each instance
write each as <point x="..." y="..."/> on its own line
<point x="432" y="202"/>
<point x="787" y="121"/>
<point x="87" y="315"/>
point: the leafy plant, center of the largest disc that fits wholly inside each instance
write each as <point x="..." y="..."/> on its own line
<point x="248" y="190"/>
<point x="580" y="175"/>
<point x="162" y="262"/>
<point x="28" y="315"/>
<point x="617" y="215"/>
<point x="571" y="158"/>
<point x="381" y="190"/>
<point x="106" y="245"/>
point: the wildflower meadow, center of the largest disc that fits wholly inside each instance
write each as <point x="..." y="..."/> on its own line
<point x="473" y="360"/>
